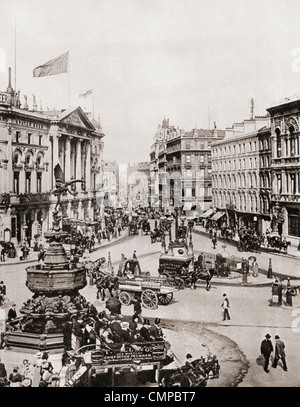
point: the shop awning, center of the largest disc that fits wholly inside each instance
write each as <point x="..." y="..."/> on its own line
<point x="207" y="214"/>
<point x="190" y="206"/>
<point x="217" y="215"/>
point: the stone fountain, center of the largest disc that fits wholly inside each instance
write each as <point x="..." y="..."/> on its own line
<point x="55" y="285"/>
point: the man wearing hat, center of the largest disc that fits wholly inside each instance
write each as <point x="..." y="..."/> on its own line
<point x="279" y="353"/>
<point x="12" y="313"/>
<point x="266" y="348"/>
<point x="144" y="331"/>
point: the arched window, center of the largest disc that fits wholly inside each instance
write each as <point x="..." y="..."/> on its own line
<point x="278" y="142"/>
<point x="292" y="141"/>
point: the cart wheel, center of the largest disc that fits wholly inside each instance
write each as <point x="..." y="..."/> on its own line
<point x="179" y="283"/>
<point x="149" y="299"/>
<point x="125" y="298"/>
<point x="165" y="299"/>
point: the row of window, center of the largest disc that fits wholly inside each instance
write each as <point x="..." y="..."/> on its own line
<point x="240" y="164"/>
<point x="235" y="181"/>
<point x="29" y="138"/>
<point x="233" y="149"/>
<point x="28" y="182"/>
<point x="287" y="147"/>
<point x="243" y="203"/>
<point x="287" y="183"/>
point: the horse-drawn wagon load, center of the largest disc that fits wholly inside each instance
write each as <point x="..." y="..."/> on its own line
<point x="132" y="283"/>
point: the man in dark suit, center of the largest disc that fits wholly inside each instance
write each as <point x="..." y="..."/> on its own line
<point x="3" y="372"/>
<point x="144" y="331"/>
<point x="279" y="353"/>
<point x="266" y="348"/>
<point x="12" y="313"/>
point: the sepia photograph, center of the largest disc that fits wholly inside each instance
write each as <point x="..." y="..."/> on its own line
<point x="150" y="196"/>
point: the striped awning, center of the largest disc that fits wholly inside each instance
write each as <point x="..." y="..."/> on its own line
<point x="217" y="215"/>
<point x="207" y="214"/>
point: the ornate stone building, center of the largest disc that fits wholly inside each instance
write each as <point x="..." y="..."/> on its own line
<point x="31" y="144"/>
<point x="182" y="161"/>
<point x="236" y="175"/>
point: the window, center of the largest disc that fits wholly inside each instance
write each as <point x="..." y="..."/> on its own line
<point x="293" y="184"/>
<point x="40" y="139"/>
<point x="279" y="186"/>
<point x="39" y="182"/>
<point x="29" y="138"/>
<point x="188" y="145"/>
<point x="278" y="142"/>
<point x="28" y="160"/>
<point x="188" y="159"/>
<point x="292" y="141"/>
<point x="17" y="137"/>
<point x="16" y="182"/>
<point x="28" y="183"/>
<point x="201" y="158"/>
<point x="16" y="159"/>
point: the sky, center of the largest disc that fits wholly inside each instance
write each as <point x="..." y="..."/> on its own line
<point x="195" y="62"/>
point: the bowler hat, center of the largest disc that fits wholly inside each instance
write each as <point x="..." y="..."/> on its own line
<point x="277" y="337"/>
<point x="268" y="336"/>
<point x="189" y="356"/>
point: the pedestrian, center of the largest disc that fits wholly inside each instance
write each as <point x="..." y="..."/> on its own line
<point x="15" y="378"/>
<point x="134" y="256"/>
<point x="137" y="308"/>
<point x="266" y="348"/>
<point x="226" y="306"/>
<point x="289" y="294"/>
<point x="255" y="269"/>
<point x="41" y="256"/>
<point x="214" y="241"/>
<point x="3" y="372"/>
<point x="12" y="313"/>
<point x="200" y="261"/>
<point x="71" y="369"/>
<point x="3" y="254"/>
<point x="2" y="292"/>
<point x="279" y="353"/>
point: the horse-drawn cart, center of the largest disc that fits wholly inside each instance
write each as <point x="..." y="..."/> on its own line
<point x="151" y="290"/>
<point x="131" y="283"/>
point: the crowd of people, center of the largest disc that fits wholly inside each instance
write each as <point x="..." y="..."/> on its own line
<point x="38" y="373"/>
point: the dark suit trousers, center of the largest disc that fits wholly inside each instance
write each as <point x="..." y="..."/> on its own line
<point x="267" y="359"/>
<point x="283" y="362"/>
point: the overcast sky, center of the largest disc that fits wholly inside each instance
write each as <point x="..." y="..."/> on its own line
<point x="192" y="61"/>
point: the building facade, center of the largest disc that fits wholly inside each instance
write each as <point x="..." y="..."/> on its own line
<point x="180" y="166"/>
<point x="32" y="143"/>
<point x="236" y="175"/>
<point x="285" y="144"/>
<point x="138" y="181"/>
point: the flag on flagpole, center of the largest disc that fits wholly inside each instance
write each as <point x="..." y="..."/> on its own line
<point x="87" y="93"/>
<point x="53" y="67"/>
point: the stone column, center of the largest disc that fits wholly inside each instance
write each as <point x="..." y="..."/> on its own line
<point x="78" y="160"/>
<point x="88" y="167"/>
<point x="68" y="174"/>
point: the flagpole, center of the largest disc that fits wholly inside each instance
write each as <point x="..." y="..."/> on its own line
<point x="15" y="53"/>
<point x="69" y="79"/>
<point x="93" y="105"/>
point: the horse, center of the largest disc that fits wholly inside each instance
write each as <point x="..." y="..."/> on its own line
<point x="205" y="275"/>
<point x="106" y="282"/>
<point x="184" y="377"/>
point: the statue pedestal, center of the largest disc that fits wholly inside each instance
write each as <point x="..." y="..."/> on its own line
<point x="31" y="342"/>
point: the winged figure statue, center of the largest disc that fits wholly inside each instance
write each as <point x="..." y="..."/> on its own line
<point x="61" y="186"/>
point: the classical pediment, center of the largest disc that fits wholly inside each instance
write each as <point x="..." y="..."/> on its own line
<point x="76" y="117"/>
